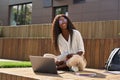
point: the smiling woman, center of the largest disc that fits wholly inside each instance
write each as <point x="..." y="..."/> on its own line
<point x="13" y="64"/>
<point x="68" y="41"/>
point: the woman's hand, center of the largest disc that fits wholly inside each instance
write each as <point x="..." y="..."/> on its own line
<point x="61" y="65"/>
<point x="69" y="56"/>
<point x="80" y="53"/>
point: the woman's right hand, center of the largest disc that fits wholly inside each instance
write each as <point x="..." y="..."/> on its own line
<point x="69" y="56"/>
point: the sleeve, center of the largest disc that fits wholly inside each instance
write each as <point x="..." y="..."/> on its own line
<point x="80" y="42"/>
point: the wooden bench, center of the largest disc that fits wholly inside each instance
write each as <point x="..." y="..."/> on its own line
<point x="28" y="74"/>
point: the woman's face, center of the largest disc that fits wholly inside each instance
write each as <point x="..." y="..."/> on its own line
<point x="63" y="23"/>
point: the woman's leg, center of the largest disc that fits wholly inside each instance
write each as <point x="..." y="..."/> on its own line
<point x="48" y="55"/>
<point x="61" y="65"/>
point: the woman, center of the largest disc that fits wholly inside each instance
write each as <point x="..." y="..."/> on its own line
<point x="66" y="40"/>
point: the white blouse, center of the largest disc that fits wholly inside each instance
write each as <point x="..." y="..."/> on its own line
<point x="66" y="47"/>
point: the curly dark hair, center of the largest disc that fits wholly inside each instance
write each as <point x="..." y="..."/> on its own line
<point x="56" y="30"/>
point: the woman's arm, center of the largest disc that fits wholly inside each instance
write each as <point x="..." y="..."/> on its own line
<point x="80" y="43"/>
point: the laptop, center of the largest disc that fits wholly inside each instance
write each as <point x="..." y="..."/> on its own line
<point x="43" y="65"/>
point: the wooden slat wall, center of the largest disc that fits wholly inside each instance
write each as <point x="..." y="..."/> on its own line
<point x="89" y="30"/>
<point x="99" y="29"/>
<point x="100" y="38"/>
<point x="97" y="50"/>
<point x="37" y="30"/>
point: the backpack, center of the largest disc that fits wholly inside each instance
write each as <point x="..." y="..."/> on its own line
<point x="113" y="62"/>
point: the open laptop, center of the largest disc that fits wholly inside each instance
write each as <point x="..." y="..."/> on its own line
<point x="43" y="65"/>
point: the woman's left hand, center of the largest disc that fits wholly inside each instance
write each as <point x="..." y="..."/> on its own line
<point x="80" y="53"/>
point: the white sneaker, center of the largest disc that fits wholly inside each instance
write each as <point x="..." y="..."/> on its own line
<point x="74" y="68"/>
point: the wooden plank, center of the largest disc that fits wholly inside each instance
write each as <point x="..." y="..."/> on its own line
<point x="101" y="55"/>
<point x="96" y="53"/>
<point x="40" y="47"/>
<point x="13" y="77"/>
<point x="106" y="49"/>
<point x="118" y="29"/>
<point x="14" y="48"/>
<point x="1" y="47"/>
<point x="4" y="76"/>
<point x="8" y="77"/>
<point x="18" y="78"/>
<point x="0" y="76"/>
<point x="87" y="52"/>
<point x="92" y="54"/>
<point x="115" y="25"/>
<point x="34" y="46"/>
<point x="93" y="33"/>
<point x="27" y="48"/>
<point x="21" y="49"/>
<point x="6" y="48"/>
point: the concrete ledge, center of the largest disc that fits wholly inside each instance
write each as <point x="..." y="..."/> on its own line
<point x="28" y="74"/>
